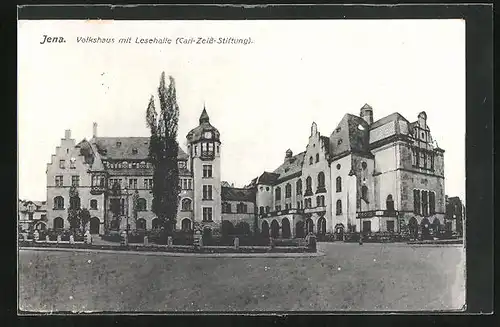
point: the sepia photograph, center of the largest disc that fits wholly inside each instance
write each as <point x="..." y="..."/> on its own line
<point x="180" y="166"/>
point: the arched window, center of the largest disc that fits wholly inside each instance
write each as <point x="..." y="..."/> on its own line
<point x="320" y="201"/>
<point x="155" y="224"/>
<point x="140" y="224"/>
<point x="58" y="203"/>
<point x="58" y="223"/>
<point x="364" y="193"/>
<point x="141" y="204"/>
<point x="186" y="204"/>
<point x="261" y="210"/>
<point x="299" y="186"/>
<point x="339" y="207"/>
<point x="288" y="190"/>
<point x="389" y="203"/>
<point x="93" y="204"/>
<point x="338" y="184"/>
<point x="309" y="184"/>
<point x="186" y="224"/>
<point x="317" y="157"/>
<point x="321" y="180"/>
<point x="310" y="160"/>
<point x="277" y="193"/>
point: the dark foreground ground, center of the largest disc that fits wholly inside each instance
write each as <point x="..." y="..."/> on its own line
<point x="377" y="277"/>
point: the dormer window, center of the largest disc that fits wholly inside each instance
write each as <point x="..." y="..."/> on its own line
<point x="134" y="151"/>
<point x="118" y="144"/>
<point x="339" y="142"/>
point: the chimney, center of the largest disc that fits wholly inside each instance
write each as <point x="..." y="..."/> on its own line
<point x="94" y="130"/>
<point x="366" y="113"/>
<point x="67" y="134"/>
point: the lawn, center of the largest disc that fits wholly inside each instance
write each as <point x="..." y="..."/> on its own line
<point x="348" y="277"/>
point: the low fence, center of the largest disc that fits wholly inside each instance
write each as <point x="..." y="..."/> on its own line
<point x="166" y="248"/>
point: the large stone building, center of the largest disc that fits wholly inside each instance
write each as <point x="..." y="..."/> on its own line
<point x="112" y="174"/>
<point x="386" y="175"/>
<point x="368" y="176"/>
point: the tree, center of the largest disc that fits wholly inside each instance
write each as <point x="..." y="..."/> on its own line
<point x="74" y="208"/>
<point x="84" y="218"/>
<point x="163" y="150"/>
<point x="135" y="203"/>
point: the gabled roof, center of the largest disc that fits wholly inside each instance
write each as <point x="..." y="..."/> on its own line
<point x="267" y="178"/>
<point x="39" y="205"/>
<point x="123" y="148"/>
<point x="291" y="166"/>
<point x="350" y="136"/>
<point x="237" y="194"/>
<point x="392" y="117"/>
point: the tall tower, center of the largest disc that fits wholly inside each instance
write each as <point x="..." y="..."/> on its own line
<point x="204" y="155"/>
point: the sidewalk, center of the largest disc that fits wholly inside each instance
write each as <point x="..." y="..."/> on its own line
<point x="180" y="254"/>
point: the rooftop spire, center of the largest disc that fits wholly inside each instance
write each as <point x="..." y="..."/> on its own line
<point x="204" y="116"/>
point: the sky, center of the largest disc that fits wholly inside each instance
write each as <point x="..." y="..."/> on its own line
<point x="262" y="97"/>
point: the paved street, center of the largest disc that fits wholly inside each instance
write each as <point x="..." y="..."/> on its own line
<point x="348" y="277"/>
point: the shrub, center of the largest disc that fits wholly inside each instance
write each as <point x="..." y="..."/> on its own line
<point x="112" y="236"/>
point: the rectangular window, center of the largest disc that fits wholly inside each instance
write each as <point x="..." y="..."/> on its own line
<point x="417" y="157"/>
<point x="390" y="226"/>
<point x="425" y="203"/>
<point x="148" y="183"/>
<point x="432" y="203"/>
<point x="422" y="159"/>
<point x="122" y="206"/>
<point x="75" y="181"/>
<point x="298" y="205"/>
<point x="59" y="181"/>
<point x="207" y="192"/>
<point x="207" y="214"/>
<point x="72" y="164"/>
<point x="207" y="171"/>
<point x="416" y="201"/>
<point x="132" y="183"/>
<point x="189" y="186"/>
<point x="61" y="164"/>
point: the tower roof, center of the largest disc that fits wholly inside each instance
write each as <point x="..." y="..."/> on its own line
<point x="366" y="106"/>
<point x="204" y="116"/>
<point x="198" y="133"/>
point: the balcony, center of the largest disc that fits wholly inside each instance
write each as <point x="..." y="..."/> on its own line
<point x="207" y="155"/>
<point x="378" y="213"/>
<point x="281" y="212"/>
<point x="315" y="210"/>
<point x="97" y="189"/>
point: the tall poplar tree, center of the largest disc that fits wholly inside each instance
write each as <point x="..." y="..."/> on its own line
<point x="163" y="150"/>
